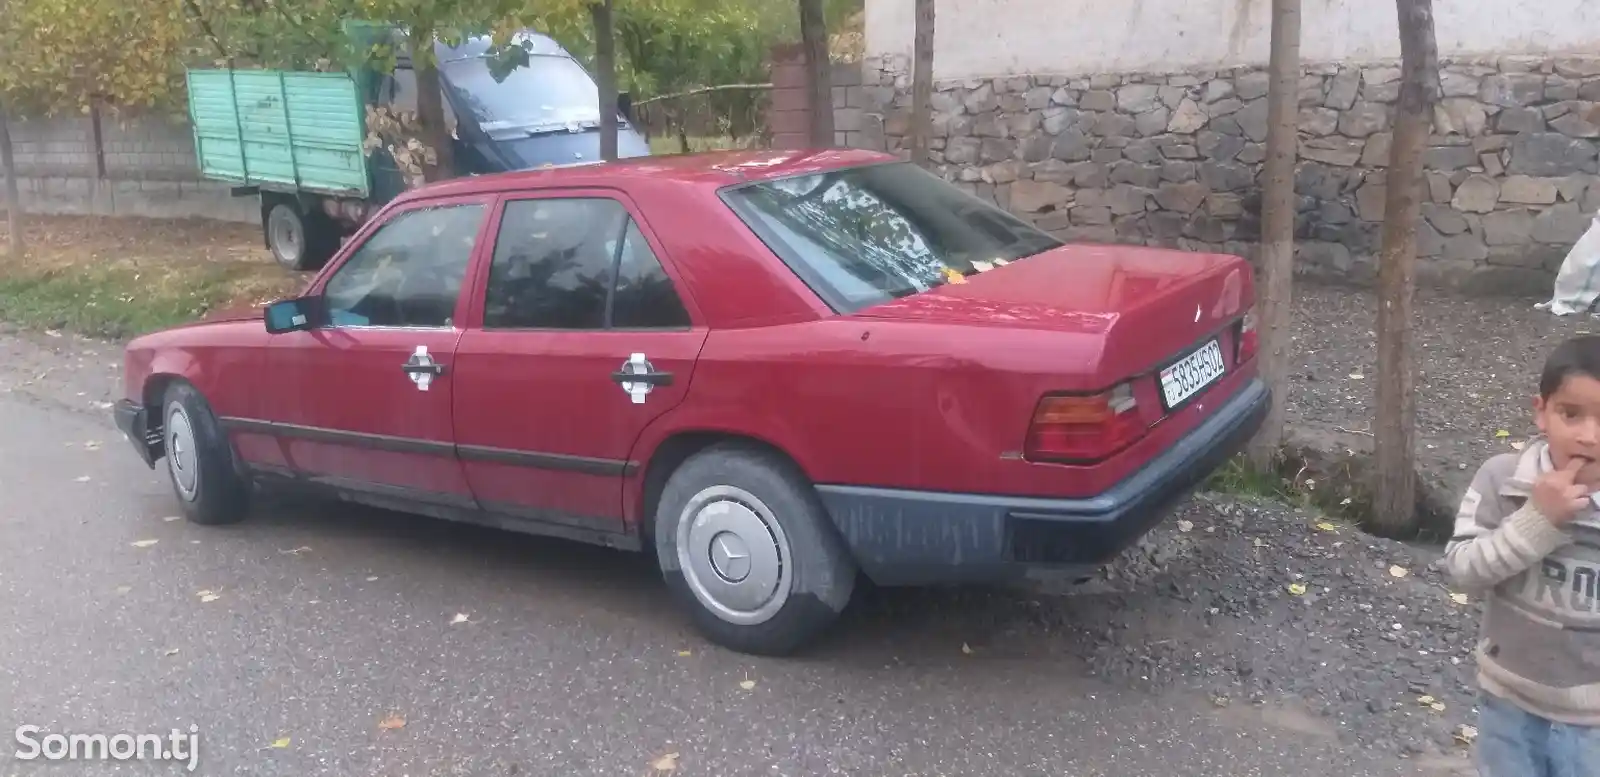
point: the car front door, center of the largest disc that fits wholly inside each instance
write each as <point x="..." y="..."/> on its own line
<point x="575" y="298"/>
<point x="363" y="401"/>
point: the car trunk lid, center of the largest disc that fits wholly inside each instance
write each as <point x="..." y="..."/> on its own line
<point x="1146" y="306"/>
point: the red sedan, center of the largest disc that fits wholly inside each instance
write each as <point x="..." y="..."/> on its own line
<point x="777" y="371"/>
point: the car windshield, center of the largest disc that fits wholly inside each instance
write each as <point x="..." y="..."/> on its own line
<point x="550" y="92"/>
<point x="866" y="235"/>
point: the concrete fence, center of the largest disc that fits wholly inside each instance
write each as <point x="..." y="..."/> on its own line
<point x="143" y="167"/>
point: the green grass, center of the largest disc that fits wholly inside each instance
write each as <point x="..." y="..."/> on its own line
<point x="1238" y="478"/>
<point x="116" y="278"/>
<point x="668" y="144"/>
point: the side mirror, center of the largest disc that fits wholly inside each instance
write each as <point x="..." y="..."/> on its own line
<point x="292" y="315"/>
<point x="625" y="105"/>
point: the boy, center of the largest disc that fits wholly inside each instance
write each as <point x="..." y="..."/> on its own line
<point x="1527" y="537"/>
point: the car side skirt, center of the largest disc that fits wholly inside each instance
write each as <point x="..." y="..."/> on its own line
<point x="596" y="530"/>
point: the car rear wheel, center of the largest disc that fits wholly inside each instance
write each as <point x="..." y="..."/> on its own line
<point x="747" y="547"/>
<point x="200" y="460"/>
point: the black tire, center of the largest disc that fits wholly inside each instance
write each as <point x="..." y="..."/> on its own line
<point x="200" y="463"/>
<point x="300" y="241"/>
<point x="821" y="574"/>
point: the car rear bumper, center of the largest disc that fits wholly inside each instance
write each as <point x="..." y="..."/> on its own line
<point x="904" y="537"/>
<point x="134" y="422"/>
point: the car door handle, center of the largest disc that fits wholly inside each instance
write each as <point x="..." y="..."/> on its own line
<point x="431" y="369"/>
<point x="652" y="377"/>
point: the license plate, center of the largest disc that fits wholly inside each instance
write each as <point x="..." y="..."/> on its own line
<point x="1192" y="373"/>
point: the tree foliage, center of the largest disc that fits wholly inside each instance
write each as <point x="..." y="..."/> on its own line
<point x="65" y="55"/>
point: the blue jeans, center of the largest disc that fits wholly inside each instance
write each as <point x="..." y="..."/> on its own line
<point x="1514" y="743"/>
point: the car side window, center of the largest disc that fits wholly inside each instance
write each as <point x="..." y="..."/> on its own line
<point x="645" y="297"/>
<point x="552" y="264"/>
<point x="409" y="272"/>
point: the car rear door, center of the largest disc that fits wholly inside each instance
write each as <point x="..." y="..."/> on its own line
<point x="364" y="401"/>
<point x="576" y="298"/>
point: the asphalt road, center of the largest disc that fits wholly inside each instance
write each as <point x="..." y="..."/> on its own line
<point x="328" y="619"/>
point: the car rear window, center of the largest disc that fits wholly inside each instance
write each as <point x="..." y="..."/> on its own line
<point x="865" y="235"/>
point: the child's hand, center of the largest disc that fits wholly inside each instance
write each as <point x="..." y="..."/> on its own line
<point x="1557" y="496"/>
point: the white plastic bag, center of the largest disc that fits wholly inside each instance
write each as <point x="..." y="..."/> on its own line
<point x="1578" y="282"/>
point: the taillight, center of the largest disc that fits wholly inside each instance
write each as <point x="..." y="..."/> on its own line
<point x="1248" y="341"/>
<point x="1080" y="428"/>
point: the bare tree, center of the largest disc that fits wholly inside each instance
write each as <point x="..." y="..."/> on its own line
<point x="922" y="83"/>
<point x="605" y="61"/>
<point x="1277" y="225"/>
<point x="819" y="64"/>
<point x="13" y="197"/>
<point x="1395" y="479"/>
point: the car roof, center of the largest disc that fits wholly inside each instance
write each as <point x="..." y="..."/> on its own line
<point x="715" y="169"/>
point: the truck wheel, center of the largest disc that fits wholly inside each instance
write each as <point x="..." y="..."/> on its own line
<point x="200" y="460"/>
<point x="745" y="544"/>
<point x="299" y="241"/>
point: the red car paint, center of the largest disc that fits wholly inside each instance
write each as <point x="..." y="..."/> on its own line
<point x="933" y="392"/>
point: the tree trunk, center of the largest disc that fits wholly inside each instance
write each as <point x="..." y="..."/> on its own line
<point x="1395" y="487"/>
<point x="819" y="66"/>
<point x="13" y="197"/>
<point x="430" y="106"/>
<point x="605" y="63"/>
<point x="922" y="83"/>
<point x="1274" y="321"/>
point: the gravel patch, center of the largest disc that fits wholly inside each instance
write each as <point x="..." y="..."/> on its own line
<point x="1478" y="362"/>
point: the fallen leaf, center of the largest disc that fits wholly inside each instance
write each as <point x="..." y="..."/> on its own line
<point x="1297" y="588"/>
<point x="280" y="743"/>
<point x="461" y="617"/>
<point x="122" y="589"/>
<point x="1458" y="598"/>
<point x="372" y="579"/>
<point x="1502" y="433"/>
<point x="208" y="596"/>
<point x="294" y="551"/>
<point x="1356" y="376"/>
<point x="1185" y="526"/>
<point x="966" y="649"/>
<point x="1425" y="700"/>
<point x="1258" y="543"/>
<point x="685" y="653"/>
<point x="1466" y="735"/>
<point x="392" y="722"/>
<point x="92" y="445"/>
<point x="747" y="683"/>
<point x="144" y="543"/>
<point x="171" y="652"/>
<point x="1325" y="526"/>
<point x="82" y="478"/>
<point x="1398" y="571"/>
<point x="1519" y="445"/>
<point x="171" y="518"/>
<point x="666" y="763"/>
<point x="1437" y="707"/>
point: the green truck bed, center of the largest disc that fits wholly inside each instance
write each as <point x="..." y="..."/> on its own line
<point x="280" y="130"/>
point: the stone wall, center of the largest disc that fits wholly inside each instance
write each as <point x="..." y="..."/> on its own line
<point x="149" y="169"/>
<point x="1175" y="160"/>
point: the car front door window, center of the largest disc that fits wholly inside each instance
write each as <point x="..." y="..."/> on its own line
<point x="409" y="273"/>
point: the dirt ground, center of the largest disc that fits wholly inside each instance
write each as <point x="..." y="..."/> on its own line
<point x="1478" y="363"/>
<point x="117" y="277"/>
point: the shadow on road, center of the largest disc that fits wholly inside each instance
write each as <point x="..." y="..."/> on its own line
<point x="900" y="625"/>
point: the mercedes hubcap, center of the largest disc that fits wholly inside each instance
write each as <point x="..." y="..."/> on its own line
<point x="181" y="457"/>
<point x="734" y="555"/>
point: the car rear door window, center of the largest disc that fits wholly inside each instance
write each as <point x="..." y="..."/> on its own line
<point x="576" y="263"/>
<point x="645" y="297"/>
<point x="409" y="272"/>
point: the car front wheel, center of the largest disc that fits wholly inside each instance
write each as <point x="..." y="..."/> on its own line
<point x="200" y="460"/>
<point x="745" y="544"/>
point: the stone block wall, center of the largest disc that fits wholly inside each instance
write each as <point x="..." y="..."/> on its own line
<point x="149" y="169"/>
<point x="1175" y="160"/>
<point x="789" y="108"/>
